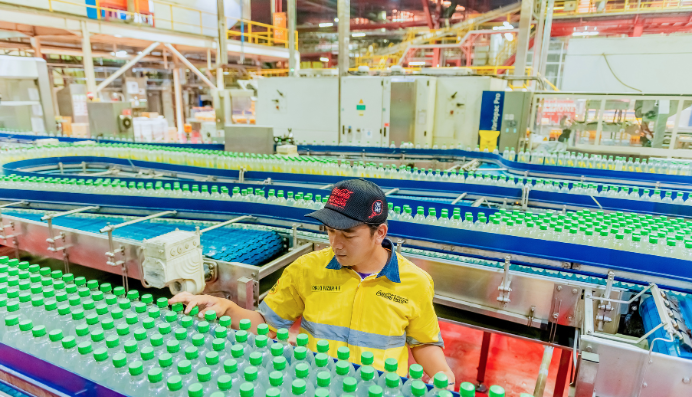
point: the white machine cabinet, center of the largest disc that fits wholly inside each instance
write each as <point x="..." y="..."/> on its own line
<point x="458" y="107"/>
<point x="306" y="107"/>
<point x="365" y="110"/>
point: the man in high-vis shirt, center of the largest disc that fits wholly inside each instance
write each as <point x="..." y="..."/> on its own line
<point x="359" y="292"/>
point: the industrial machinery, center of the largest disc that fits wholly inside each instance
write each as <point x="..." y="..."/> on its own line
<point x="26" y="100"/>
<point x="620" y="315"/>
<point x="111" y="120"/>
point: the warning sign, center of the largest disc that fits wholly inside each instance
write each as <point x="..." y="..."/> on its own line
<point x="360" y="107"/>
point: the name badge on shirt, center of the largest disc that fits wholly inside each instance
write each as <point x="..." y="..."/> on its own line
<point x="326" y="288"/>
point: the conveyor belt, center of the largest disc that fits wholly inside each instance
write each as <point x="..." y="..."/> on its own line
<point x="229" y="244"/>
<point x="651" y="319"/>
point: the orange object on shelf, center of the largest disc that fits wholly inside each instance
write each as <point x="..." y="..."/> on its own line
<point x="187" y="128"/>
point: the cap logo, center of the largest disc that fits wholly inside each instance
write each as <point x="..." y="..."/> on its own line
<point x="376" y="209"/>
<point x="339" y="197"/>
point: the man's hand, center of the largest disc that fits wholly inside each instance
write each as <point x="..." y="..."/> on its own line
<point x="204" y="302"/>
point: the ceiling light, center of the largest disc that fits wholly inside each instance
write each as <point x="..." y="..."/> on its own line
<point x="585" y="34"/>
<point x="326" y="24"/>
<point x="117" y="35"/>
<point x="509" y="36"/>
<point x="358" y="34"/>
<point x="324" y="59"/>
<point x="120" y="54"/>
<point x="421" y="63"/>
<point x="336" y="19"/>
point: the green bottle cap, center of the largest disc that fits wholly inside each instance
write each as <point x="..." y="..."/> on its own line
<point x="55" y="335"/>
<point x="211" y="358"/>
<point x="282" y="334"/>
<point x="367" y="372"/>
<point x="392" y="380"/>
<point x="279" y="363"/>
<point x="343" y="353"/>
<point x="148" y="323"/>
<point x="342" y="367"/>
<point x="155" y="375"/>
<point x="467" y="389"/>
<point x="255" y="359"/>
<point x="263" y="329"/>
<point x="184" y="367"/>
<point x="245" y="324"/>
<point x="135" y="368"/>
<point x="165" y="360"/>
<point x="133" y="294"/>
<point x="261" y="341"/>
<point x="68" y="278"/>
<point x="276" y="350"/>
<point x="350" y="384"/>
<point x="84" y="348"/>
<point x="210" y="315"/>
<point x="237" y="351"/>
<point x="203" y="327"/>
<point x="156" y="340"/>
<point x="298" y="386"/>
<point x="119" y="291"/>
<point x="26" y="325"/>
<point x="302" y="370"/>
<point x="224" y="382"/>
<point x="82" y="330"/>
<point x="147" y="299"/>
<point x="112" y="341"/>
<point x="174" y="383"/>
<point x="191" y="352"/>
<point x="247" y="389"/>
<point x="130" y="346"/>
<point x="140" y="334"/>
<point x="180" y="334"/>
<point x="171" y="316"/>
<point x="374" y="391"/>
<point x="220" y="332"/>
<point x="241" y="336"/>
<point x="80" y="281"/>
<point x="124" y="304"/>
<point x="367" y="358"/>
<point x="496" y="391"/>
<point x="416" y="371"/>
<point x="195" y="390"/>
<point x="299" y="352"/>
<point x="276" y="379"/>
<point x="119" y="360"/>
<point x="225" y="321"/>
<point x="161" y="303"/>
<point x="105" y="287"/>
<point x="69" y="342"/>
<point x="101" y="355"/>
<point x="187" y="321"/>
<point x="391" y="365"/>
<point x="97" y="335"/>
<point x="230" y="366"/>
<point x="38" y="331"/>
<point x="302" y="339"/>
<point x="147" y="353"/>
<point x="322" y="346"/>
<point x="140" y="307"/>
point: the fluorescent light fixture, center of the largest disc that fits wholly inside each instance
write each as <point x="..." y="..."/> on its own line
<point x="509" y="36"/>
<point x="119" y="54"/>
<point x="421" y="63"/>
<point x="358" y="34"/>
<point x="336" y="19"/>
<point x="326" y="24"/>
<point x="585" y="34"/>
<point x="117" y="35"/>
<point x="324" y="59"/>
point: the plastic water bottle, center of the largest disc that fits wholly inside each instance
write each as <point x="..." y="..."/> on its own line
<point x="392" y="385"/>
<point x="211" y="360"/>
<point x="250" y="375"/>
<point x="323" y="347"/>
<point x="496" y="391"/>
<point x="156" y="386"/>
<point x="173" y="348"/>
<point x="247" y="389"/>
<point x="440" y="383"/>
<point x="350" y="387"/>
<point x="225" y="384"/>
<point x="300" y="388"/>
<point x="195" y="390"/>
<point x="340" y="373"/>
<point x="85" y="360"/>
<point x="219" y="346"/>
<point x="245" y="325"/>
<point x="280" y="365"/>
<point x="302" y="341"/>
<point x="225" y="321"/>
<point x="204" y="378"/>
<point x="368" y="377"/>
<point x="321" y="360"/>
<point x="23" y="339"/>
<point x="375" y="391"/>
<point x="119" y="372"/>
<point x="415" y="373"/>
<point x="263" y="329"/>
<point x="262" y="349"/>
<point x="146" y="355"/>
<point x="241" y="339"/>
<point x="137" y="381"/>
<point x="300" y="354"/>
<point x="324" y="384"/>
<point x="100" y="371"/>
<point x="54" y="349"/>
<point x="41" y="343"/>
<point x="68" y="356"/>
<point x="230" y="367"/>
<point x="343" y="354"/>
<point x="390" y="366"/>
<point x="184" y="368"/>
<point x="238" y="353"/>
<point x="256" y="361"/>
<point x="276" y="381"/>
<point x="97" y="339"/>
<point x="166" y="365"/>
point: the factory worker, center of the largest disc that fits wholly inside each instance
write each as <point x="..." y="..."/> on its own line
<point x="358" y="293"/>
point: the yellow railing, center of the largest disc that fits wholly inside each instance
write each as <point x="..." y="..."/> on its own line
<point x="484" y="70"/>
<point x="591" y="7"/>
<point x="175" y="17"/>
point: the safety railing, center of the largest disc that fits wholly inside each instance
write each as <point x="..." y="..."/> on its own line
<point x="483" y="70"/>
<point x="259" y="33"/>
<point x="167" y="16"/>
<point x="565" y="8"/>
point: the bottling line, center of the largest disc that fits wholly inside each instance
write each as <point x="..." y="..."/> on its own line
<point x="215" y="222"/>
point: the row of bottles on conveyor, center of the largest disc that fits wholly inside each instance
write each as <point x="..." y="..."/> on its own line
<point x="142" y="347"/>
<point x="327" y="166"/>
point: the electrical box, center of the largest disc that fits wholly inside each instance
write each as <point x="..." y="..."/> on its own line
<point x="174" y="260"/>
<point x="304" y="107"/>
<point x="365" y="110"/>
<point x="412" y="113"/>
<point x="457" y="108"/>
<point x="515" y="116"/>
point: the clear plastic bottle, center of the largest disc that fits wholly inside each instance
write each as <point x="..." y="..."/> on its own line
<point x="225" y="384"/>
<point x="69" y="355"/>
<point x="280" y="365"/>
<point x="367" y="377"/>
<point x="300" y="354"/>
<point x="204" y="376"/>
<point x="85" y="361"/>
<point x="138" y="380"/>
<point x="184" y="369"/>
<point x="392" y="386"/>
<point x="156" y="385"/>
<point x="230" y="367"/>
<point x="146" y="355"/>
<point x="54" y="349"/>
<point x="418" y="389"/>
<point x="299" y="388"/>
<point x="323" y="383"/>
<point x="262" y="349"/>
<point x="415" y="373"/>
<point x="466" y="389"/>
<point x="250" y="375"/>
<point x="247" y="389"/>
<point x="101" y="370"/>
<point x="238" y="353"/>
<point x="174" y="387"/>
<point x="276" y="381"/>
<point x="366" y="359"/>
<point x="211" y="359"/>
<point x="219" y="346"/>
<point x="321" y="361"/>
<point x="256" y="361"/>
<point x="174" y="349"/>
<point x="440" y="383"/>
<point x="341" y="372"/>
<point x="496" y="391"/>
<point x="343" y="353"/>
<point x="119" y="372"/>
<point x="241" y="339"/>
<point x="40" y="344"/>
<point x="391" y="365"/>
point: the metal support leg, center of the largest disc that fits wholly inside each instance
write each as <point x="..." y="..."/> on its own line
<point x="483" y="363"/>
<point x="543" y="371"/>
<point x="586" y="377"/>
<point x="562" y="373"/>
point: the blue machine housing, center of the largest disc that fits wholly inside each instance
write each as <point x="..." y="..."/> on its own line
<point x="651" y="319"/>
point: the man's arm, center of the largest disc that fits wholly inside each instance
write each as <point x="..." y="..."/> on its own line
<point x="222" y="307"/>
<point x="432" y="359"/>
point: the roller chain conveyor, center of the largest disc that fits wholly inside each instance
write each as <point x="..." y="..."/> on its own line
<point x="585" y="290"/>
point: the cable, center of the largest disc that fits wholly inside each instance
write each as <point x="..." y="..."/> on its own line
<point x="616" y="77"/>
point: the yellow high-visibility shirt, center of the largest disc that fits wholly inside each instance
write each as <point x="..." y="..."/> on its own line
<point x="383" y="313"/>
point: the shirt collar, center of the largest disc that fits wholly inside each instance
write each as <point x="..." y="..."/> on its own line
<point x="390" y="270"/>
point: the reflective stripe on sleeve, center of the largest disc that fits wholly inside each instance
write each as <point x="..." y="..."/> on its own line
<point x="411" y="341"/>
<point x="272" y="318"/>
<point x="353" y="337"/>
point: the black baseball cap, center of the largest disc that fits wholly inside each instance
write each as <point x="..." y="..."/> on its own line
<point x="353" y="202"/>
